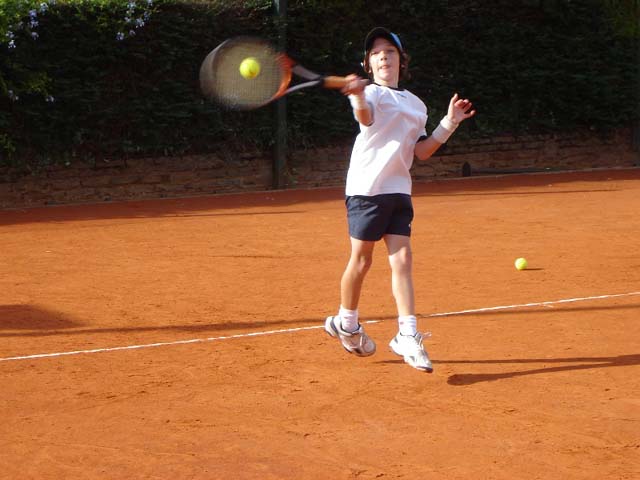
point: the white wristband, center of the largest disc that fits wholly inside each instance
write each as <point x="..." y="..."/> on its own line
<point x="443" y="131"/>
<point x="358" y="102"/>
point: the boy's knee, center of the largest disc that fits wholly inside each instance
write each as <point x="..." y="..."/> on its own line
<point x="401" y="260"/>
<point x="364" y="263"/>
<point x="361" y="263"/>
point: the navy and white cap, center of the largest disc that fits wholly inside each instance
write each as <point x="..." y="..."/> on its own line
<point x="381" y="32"/>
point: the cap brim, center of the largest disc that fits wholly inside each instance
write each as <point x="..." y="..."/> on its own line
<point x="381" y="32"/>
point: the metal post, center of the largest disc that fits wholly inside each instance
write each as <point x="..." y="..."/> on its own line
<point x="636" y="123"/>
<point x="280" y="151"/>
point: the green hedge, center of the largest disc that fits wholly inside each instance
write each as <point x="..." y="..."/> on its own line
<point x="87" y="88"/>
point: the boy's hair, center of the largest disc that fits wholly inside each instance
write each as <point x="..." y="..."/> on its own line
<point x="381" y="32"/>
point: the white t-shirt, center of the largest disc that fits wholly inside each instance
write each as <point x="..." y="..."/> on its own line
<point x="383" y="151"/>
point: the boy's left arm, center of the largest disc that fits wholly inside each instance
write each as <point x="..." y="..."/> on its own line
<point x="459" y="110"/>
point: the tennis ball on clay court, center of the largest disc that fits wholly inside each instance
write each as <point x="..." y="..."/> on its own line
<point x="249" y="68"/>
<point x="521" y="263"/>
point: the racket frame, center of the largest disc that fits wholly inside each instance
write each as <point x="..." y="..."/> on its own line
<point x="288" y="66"/>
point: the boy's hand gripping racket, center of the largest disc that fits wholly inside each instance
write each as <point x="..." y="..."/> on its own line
<point x="222" y="80"/>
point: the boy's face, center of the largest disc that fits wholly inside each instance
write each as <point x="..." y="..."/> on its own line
<point x="384" y="60"/>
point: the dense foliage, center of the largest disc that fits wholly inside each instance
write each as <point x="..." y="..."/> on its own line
<point x="96" y="79"/>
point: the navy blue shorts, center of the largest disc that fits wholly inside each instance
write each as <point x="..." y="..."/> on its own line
<point x="371" y="218"/>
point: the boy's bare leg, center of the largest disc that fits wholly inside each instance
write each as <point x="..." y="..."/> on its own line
<point x="353" y="276"/>
<point x="400" y="259"/>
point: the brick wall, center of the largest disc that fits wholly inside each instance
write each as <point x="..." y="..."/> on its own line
<point x="212" y="174"/>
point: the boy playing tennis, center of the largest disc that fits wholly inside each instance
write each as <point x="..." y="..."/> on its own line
<point x="378" y="190"/>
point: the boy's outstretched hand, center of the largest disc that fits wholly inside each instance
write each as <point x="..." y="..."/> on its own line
<point x="355" y="85"/>
<point x="460" y="109"/>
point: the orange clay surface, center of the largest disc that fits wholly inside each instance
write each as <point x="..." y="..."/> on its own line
<point x="546" y="391"/>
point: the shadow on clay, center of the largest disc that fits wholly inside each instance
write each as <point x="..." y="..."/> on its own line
<point x="578" y="363"/>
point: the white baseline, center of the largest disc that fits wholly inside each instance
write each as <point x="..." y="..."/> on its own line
<point x="299" y="329"/>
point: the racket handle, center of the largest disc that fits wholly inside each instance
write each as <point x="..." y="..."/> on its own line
<point x="335" y="82"/>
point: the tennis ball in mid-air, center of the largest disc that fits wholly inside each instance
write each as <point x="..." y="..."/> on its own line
<point x="521" y="263"/>
<point x="250" y="68"/>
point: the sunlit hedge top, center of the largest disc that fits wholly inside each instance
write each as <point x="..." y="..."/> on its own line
<point x="111" y="78"/>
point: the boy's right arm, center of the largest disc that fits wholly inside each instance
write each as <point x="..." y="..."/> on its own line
<point x="355" y="90"/>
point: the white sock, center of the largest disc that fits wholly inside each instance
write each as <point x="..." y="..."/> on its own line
<point x="408" y="324"/>
<point x="348" y="319"/>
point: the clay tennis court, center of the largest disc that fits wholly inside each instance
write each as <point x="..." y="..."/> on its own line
<point x="183" y="338"/>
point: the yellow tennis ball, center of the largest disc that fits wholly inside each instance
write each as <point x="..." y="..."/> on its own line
<point x="521" y="263"/>
<point x="250" y="68"/>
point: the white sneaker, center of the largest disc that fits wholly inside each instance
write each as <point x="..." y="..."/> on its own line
<point x="357" y="342"/>
<point x="410" y="347"/>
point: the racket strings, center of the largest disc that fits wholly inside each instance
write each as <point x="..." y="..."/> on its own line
<point x="232" y="89"/>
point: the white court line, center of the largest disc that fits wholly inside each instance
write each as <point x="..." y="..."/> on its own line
<point x="299" y="329"/>
<point x="536" y="304"/>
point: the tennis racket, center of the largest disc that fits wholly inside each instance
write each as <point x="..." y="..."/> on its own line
<point x="221" y="80"/>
